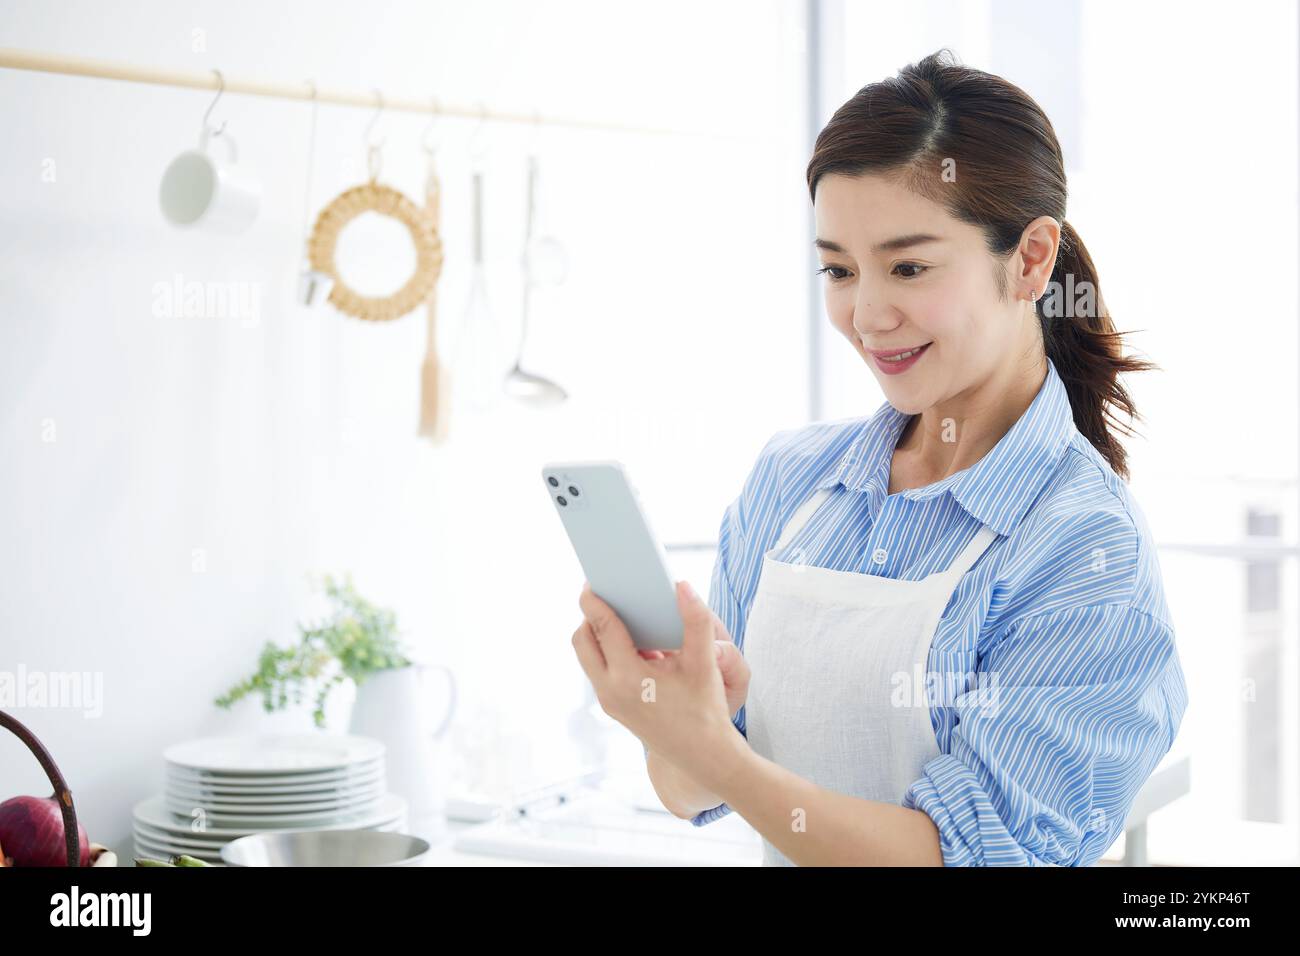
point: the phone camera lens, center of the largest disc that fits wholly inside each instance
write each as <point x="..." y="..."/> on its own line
<point x="573" y="491"/>
<point x="560" y="499"/>
<point x="554" y="482"/>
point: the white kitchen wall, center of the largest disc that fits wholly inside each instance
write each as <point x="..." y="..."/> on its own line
<point x="167" y="483"/>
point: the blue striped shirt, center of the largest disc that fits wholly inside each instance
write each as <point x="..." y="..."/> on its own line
<point x="1066" y="608"/>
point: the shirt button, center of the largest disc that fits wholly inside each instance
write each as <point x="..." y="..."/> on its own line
<point x="879" y="555"/>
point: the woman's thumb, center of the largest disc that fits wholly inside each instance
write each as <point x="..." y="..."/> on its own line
<point x="726" y="655"/>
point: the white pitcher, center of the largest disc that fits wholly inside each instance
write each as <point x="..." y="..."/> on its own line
<point x="393" y="706"/>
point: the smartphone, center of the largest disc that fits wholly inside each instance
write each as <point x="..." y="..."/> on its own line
<point x="624" y="562"/>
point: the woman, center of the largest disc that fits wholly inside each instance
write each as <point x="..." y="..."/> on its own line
<point x="956" y="646"/>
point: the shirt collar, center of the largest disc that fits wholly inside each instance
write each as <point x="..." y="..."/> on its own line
<point x="999" y="488"/>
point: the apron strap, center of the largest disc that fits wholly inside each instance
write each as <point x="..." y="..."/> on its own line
<point x="970" y="554"/>
<point x="800" y="517"/>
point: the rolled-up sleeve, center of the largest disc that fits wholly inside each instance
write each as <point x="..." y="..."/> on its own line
<point x="1070" y="713"/>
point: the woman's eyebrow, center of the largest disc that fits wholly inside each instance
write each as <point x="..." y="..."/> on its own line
<point x="889" y="245"/>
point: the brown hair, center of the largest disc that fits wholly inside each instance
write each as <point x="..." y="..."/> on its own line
<point x="1008" y="171"/>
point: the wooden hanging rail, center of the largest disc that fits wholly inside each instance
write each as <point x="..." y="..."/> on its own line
<point x="207" y="80"/>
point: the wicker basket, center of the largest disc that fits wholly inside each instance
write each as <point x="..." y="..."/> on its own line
<point x="61" y="791"/>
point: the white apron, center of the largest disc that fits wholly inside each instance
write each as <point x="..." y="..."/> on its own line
<point x="838" y="662"/>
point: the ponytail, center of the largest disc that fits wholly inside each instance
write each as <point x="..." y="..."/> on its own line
<point x="1083" y="344"/>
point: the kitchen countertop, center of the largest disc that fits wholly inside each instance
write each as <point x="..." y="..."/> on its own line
<point x="601" y="828"/>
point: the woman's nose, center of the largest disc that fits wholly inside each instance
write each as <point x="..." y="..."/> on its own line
<point x="871" y="309"/>
<point x="873" y="316"/>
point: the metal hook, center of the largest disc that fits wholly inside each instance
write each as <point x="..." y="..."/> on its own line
<point x="221" y="88"/>
<point x="379" y="111"/>
<point x="482" y="118"/>
<point x="374" y="151"/>
<point x="311" y="156"/>
<point x="424" y="137"/>
<point x="537" y="129"/>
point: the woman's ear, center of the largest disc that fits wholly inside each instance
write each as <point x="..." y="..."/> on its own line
<point x="1039" y="244"/>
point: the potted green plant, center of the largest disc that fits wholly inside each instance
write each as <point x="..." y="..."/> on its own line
<point x="356" y="640"/>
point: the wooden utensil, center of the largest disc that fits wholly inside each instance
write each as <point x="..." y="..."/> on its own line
<point x="435" y="386"/>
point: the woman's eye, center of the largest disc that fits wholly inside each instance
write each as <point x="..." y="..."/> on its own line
<point x="833" y="271"/>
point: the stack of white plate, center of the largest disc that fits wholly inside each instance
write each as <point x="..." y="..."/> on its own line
<point x="218" y="789"/>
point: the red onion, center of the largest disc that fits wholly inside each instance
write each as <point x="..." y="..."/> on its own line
<point x="31" y="832"/>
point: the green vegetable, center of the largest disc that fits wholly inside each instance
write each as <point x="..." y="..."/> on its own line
<point x="186" y="860"/>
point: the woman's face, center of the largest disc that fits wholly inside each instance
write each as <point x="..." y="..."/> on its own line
<point x="901" y="273"/>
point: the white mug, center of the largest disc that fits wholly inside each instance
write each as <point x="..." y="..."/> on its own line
<point x="199" y="192"/>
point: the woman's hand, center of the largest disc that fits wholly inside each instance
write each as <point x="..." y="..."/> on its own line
<point x="732" y="664"/>
<point x="676" y="703"/>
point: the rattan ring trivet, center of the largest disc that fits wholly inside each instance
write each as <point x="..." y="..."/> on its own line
<point x="373" y="197"/>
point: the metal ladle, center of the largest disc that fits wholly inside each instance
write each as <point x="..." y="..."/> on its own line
<point x="528" y="387"/>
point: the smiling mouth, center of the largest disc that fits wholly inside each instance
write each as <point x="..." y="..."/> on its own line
<point x="900" y="356"/>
